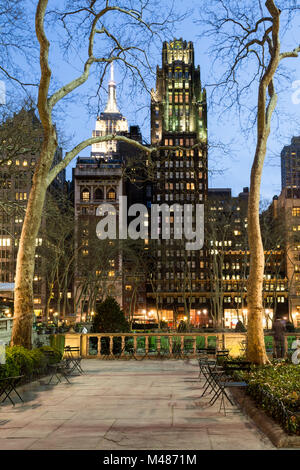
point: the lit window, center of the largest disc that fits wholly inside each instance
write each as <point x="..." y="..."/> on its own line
<point x="111" y="194"/>
<point x="4" y="241"/>
<point x="296" y="211"/>
<point x="85" y="195"/>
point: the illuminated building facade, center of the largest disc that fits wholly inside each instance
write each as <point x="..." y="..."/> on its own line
<point x="111" y="121"/>
<point x="179" y="120"/>
<point x="286" y="211"/>
<point x="99" y="179"/>
<point x="15" y="183"/>
<point x="290" y="165"/>
<point x="228" y="260"/>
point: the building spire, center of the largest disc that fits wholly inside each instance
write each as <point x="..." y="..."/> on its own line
<point x="111" y="106"/>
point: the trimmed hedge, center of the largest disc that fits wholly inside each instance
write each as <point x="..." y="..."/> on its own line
<point x="22" y="361"/>
<point x="276" y="389"/>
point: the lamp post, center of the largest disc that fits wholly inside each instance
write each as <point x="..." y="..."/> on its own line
<point x="55" y="318"/>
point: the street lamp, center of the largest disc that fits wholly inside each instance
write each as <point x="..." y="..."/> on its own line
<point x="55" y="314"/>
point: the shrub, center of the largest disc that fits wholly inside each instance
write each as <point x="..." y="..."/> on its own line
<point x="290" y="328"/>
<point x="22" y="358"/>
<point x="182" y="327"/>
<point x="276" y="389"/>
<point x="39" y="361"/>
<point x="240" y="327"/>
<point x="22" y="361"/>
<point x="57" y="354"/>
<point x="110" y="318"/>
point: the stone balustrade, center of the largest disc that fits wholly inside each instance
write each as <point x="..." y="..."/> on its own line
<point x="152" y="345"/>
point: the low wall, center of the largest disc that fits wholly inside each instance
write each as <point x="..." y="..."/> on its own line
<point x="152" y="344"/>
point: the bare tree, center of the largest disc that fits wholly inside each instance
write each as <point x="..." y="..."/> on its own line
<point x="244" y="31"/>
<point x="113" y="32"/>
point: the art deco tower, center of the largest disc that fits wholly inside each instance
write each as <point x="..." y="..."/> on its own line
<point x="98" y="179"/>
<point x="179" y="119"/>
<point x="110" y="121"/>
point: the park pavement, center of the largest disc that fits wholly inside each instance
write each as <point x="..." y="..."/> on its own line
<point x="125" y="405"/>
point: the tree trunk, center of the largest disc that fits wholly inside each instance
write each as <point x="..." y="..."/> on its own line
<point x="256" y="351"/>
<point x="23" y="302"/>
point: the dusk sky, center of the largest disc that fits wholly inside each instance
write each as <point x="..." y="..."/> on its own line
<point x="230" y="168"/>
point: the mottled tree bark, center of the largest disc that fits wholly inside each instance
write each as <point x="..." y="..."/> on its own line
<point x="256" y="351"/>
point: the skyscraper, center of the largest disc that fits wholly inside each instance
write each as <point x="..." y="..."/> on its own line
<point x="17" y="165"/>
<point x="290" y="166"/>
<point x="111" y="121"/>
<point x="98" y="179"/>
<point x="178" y="120"/>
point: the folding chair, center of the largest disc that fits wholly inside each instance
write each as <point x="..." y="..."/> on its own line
<point x="209" y="384"/>
<point x="222" y="353"/>
<point x="73" y="362"/>
<point x="58" y="369"/>
<point x="224" y="381"/>
<point x="8" y="385"/>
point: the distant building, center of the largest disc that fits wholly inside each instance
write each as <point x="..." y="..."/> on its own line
<point x="178" y="119"/>
<point x="98" y="179"/>
<point x="286" y="210"/>
<point x="290" y="165"/>
<point x="111" y="121"/>
<point x="229" y="259"/>
<point x="16" y="170"/>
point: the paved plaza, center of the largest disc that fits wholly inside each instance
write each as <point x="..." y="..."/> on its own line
<point x="148" y="405"/>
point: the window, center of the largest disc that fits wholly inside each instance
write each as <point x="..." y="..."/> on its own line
<point x="85" y="195"/>
<point x="98" y="194"/>
<point x="111" y="194"/>
<point x="21" y="196"/>
<point x="4" y="241"/>
<point x="296" y="211"/>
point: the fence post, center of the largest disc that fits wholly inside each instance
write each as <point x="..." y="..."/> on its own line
<point x="99" y="346"/>
<point x="111" y="345"/>
<point x="122" y="345"/>
<point x="170" y="345"/>
<point x="194" y="345"/>
<point x="181" y="344"/>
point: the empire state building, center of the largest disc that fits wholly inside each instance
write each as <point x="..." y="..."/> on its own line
<point x="111" y="121"/>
